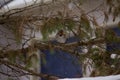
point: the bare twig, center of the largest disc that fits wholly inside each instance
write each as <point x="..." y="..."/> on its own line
<point x="49" y="77"/>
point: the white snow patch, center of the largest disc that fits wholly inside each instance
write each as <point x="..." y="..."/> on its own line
<point x="112" y="77"/>
<point x="113" y="56"/>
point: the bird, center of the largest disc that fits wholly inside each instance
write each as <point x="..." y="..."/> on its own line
<point x="61" y="36"/>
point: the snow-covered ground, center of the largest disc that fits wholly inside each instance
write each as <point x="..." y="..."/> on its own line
<point x="112" y="77"/>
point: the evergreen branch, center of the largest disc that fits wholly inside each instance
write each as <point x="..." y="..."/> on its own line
<point x="64" y="47"/>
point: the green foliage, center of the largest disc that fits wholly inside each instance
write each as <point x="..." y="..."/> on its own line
<point x="12" y="56"/>
<point x="16" y="25"/>
<point x="69" y="23"/>
<point x="55" y="24"/>
<point x="111" y="37"/>
<point x="32" y="60"/>
<point x="94" y="50"/>
<point x="97" y="59"/>
<point x="28" y="64"/>
<point x="17" y="34"/>
<point x="99" y="32"/>
<point x="85" y="22"/>
<point x="95" y="56"/>
<point x="85" y="29"/>
<point x="82" y="34"/>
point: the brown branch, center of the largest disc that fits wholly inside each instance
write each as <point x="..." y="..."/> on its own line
<point x="68" y="47"/>
<point x="45" y="76"/>
<point x="23" y="9"/>
<point x="91" y="42"/>
<point x="95" y="9"/>
<point x="12" y="75"/>
<point x="6" y="74"/>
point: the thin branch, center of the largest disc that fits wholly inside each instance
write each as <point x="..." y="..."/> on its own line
<point x="68" y="47"/>
<point x="45" y="76"/>
<point x="6" y="74"/>
<point x="95" y="9"/>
